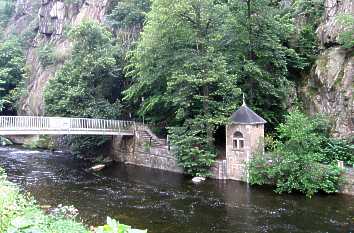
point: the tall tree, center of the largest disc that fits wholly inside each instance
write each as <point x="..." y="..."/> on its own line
<point x="12" y="72"/>
<point x="180" y="73"/>
<point x="88" y="84"/>
<point x="257" y="35"/>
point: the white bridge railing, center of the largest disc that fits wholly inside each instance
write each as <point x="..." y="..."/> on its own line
<point x="26" y="125"/>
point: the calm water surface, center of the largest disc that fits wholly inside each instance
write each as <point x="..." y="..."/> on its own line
<point x="169" y="203"/>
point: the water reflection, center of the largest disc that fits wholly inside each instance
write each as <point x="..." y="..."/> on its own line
<point x="169" y="203"/>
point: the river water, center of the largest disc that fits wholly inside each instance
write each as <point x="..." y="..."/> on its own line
<point x="169" y="203"/>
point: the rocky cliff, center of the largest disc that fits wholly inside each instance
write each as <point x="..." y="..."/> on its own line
<point x="329" y="87"/>
<point x="48" y="20"/>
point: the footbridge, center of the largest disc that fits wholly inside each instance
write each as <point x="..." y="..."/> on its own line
<point x="32" y="125"/>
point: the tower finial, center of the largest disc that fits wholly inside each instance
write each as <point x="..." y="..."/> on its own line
<point x="244" y="99"/>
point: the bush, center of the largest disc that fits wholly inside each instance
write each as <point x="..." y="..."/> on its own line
<point x="338" y="149"/>
<point x="346" y="38"/>
<point x="46" y="55"/>
<point x="88" y="84"/>
<point x="294" y="163"/>
<point x="192" y="151"/>
<point x="113" y="226"/>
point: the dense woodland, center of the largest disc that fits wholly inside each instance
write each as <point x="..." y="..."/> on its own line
<point x="183" y="66"/>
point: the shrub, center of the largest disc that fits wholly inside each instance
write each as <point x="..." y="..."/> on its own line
<point x="192" y="151"/>
<point x="46" y="55"/>
<point x="113" y="226"/>
<point x="294" y="163"/>
<point x="346" y="38"/>
<point x="338" y="149"/>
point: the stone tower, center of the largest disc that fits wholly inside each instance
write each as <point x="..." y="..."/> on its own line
<point x="244" y="137"/>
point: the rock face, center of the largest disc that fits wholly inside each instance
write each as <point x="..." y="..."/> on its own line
<point x="49" y="19"/>
<point x="330" y="29"/>
<point x="329" y="86"/>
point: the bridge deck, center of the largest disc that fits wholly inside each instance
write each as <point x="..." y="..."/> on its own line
<point x="28" y="125"/>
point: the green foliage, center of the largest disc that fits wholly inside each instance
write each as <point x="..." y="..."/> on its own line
<point x="294" y="164"/>
<point x="194" y="58"/>
<point x="192" y="151"/>
<point x="6" y="10"/>
<point x="338" y="150"/>
<point x="12" y="72"/>
<point x="307" y="15"/>
<point x="346" y="38"/>
<point x="178" y="68"/>
<point x="46" y="55"/>
<point x="84" y="86"/>
<point x="89" y="83"/>
<point x="113" y="226"/>
<point x="129" y="14"/>
<point x="256" y="35"/>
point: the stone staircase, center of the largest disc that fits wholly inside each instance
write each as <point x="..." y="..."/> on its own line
<point x="149" y="137"/>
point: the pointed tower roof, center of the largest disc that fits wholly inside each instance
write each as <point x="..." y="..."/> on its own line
<point x="244" y="115"/>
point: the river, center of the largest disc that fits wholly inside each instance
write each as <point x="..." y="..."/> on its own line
<point x="169" y="203"/>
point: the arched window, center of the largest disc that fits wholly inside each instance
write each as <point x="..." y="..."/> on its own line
<point x="238" y="141"/>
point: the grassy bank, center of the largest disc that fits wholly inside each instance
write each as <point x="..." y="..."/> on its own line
<point x="19" y="213"/>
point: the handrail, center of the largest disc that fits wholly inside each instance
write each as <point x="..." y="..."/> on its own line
<point x="22" y="123"/>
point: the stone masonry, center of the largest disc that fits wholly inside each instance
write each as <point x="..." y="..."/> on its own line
<point x="146" y="150"/>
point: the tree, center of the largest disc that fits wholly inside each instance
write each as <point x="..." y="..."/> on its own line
<point x="85" y="86"/>
<point x="257" y="32"/>
<point x="129" y="13"/>
<point x="307" y="15"/>
<point x="89" y="84"/>
<point x="183" y="78"/>
<point x="127" y="20"/>
<point x="12" y="72"/>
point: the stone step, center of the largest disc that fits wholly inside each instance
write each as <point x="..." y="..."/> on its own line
<point x="147" y="137"/>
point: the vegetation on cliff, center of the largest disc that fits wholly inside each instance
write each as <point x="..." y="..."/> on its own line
<point x="346" y="38"/>
<point x="12" y="73"/>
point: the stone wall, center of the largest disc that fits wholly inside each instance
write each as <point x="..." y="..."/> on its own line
<point x="219" y="170"/>
<point x="348" y="187"/>
<point x="144" y="152"/>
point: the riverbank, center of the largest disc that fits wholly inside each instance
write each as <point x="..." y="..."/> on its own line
<point x="20" y="213"/>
